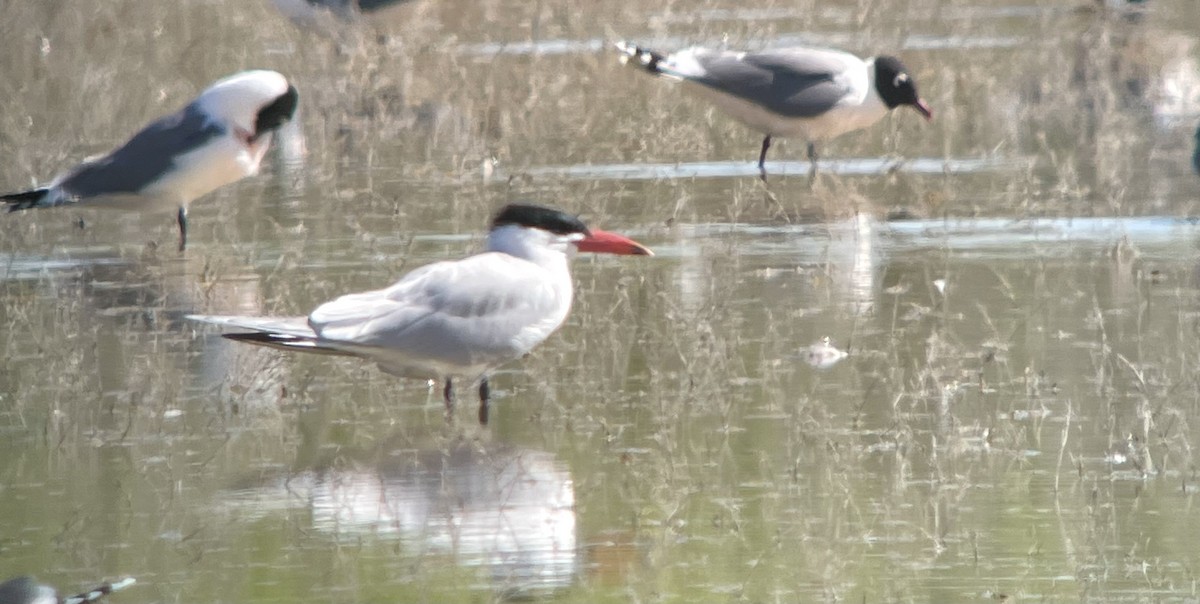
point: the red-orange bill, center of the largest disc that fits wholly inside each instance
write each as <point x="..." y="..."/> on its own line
<point x="924" y="109"/>
<point x="604" y="242"/>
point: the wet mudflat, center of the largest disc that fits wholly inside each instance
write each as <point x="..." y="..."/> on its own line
<point x="1015" y="283"/>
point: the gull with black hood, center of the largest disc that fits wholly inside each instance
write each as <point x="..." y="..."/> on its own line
<point x="217" y="139"/>
<point x="812" y="93"/>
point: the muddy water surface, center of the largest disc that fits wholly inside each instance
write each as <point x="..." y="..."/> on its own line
<point x="1016" y="285"/>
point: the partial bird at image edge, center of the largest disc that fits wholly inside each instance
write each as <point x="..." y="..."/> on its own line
<point x="26" y="590"/>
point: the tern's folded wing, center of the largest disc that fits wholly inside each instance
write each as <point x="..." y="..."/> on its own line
<point x="296" y="327"/>
<point x="479" y="310"/>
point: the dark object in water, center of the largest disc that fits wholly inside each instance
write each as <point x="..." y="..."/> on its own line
<point x="1196" y="153"/>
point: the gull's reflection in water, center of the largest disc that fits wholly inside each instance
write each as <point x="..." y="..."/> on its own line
<point x="853" y="262"/>
<point x="141" y="295"/>
<point x="130" y="312"/>
<point x="506" y="510"/>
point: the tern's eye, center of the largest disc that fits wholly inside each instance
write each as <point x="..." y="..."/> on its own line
<point x="900" y="79"/>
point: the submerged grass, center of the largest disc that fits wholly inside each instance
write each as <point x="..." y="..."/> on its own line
<point x="1011" y="424"/>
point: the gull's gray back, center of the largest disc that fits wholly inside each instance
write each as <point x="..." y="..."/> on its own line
<point x="142" y="160"/>
<point x="791" y="82"/>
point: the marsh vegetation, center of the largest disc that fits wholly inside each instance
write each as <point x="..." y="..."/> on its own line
<point x="1016" y="285"/>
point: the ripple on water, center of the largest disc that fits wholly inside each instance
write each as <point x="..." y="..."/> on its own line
<point x="727" y="169"/>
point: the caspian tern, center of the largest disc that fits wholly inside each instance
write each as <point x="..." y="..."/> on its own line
<point x="812" y="93"/>
<point x="217" y="139"/>
<point x="451" y="319"/>
<point x="25" y="590"/>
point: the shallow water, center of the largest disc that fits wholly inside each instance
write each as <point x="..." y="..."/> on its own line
<point x="1017" y="286"/>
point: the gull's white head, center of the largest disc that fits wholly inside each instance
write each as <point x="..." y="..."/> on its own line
<point x="252" y="103"/>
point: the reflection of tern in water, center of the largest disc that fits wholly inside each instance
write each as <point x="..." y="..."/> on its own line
<point x="507" y="510"/>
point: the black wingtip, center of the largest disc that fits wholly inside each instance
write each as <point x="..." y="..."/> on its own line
<point x="281" y="341"/>
<point x="99" y="592"/>
<point x="645" y="58"/>
<point x="24" y="200"/>
<point x="263" y="338"/>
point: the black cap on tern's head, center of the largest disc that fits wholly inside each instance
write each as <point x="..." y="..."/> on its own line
<point x="275" y="113"/>
<point x="896" y="86"/>
<point x="539" y="217"/>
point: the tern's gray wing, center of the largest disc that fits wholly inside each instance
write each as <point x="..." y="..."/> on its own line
<point x="286" y="333"/>
<point x="144" y="158"/>
<point x="296" y="327"/>
<point x="483" y="310"/>
<point x="790" y="82"/>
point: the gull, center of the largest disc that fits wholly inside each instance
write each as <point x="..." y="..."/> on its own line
<point x="812" y="93"/>
<point x="217" y="139"/>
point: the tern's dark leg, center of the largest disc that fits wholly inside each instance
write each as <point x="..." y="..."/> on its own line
<point x="182" y="218"/>
<point x="762" y="157"/>
<point x="812" y="157"/>
<point x="448" y="396"/>
<point x="485" y="394"/>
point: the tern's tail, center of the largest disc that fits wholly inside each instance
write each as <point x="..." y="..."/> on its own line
<point x="640" y="56"/>
<point x="37" y="198"/>
<point x="285" y="342"/>
<point x="284" y="333"/>
<point x="99" y="592"/>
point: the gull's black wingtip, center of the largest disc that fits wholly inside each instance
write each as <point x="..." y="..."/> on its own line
<point x="643" y="57"/>
<point x="24" y="200"/>
<point x="99" y="592"/>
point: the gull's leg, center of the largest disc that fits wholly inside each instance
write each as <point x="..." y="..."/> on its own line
<point x="182" y="219"/>
<point x="762" y="157"/>
<point x="812" y="158"/>
<point x="485" y="394"/>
